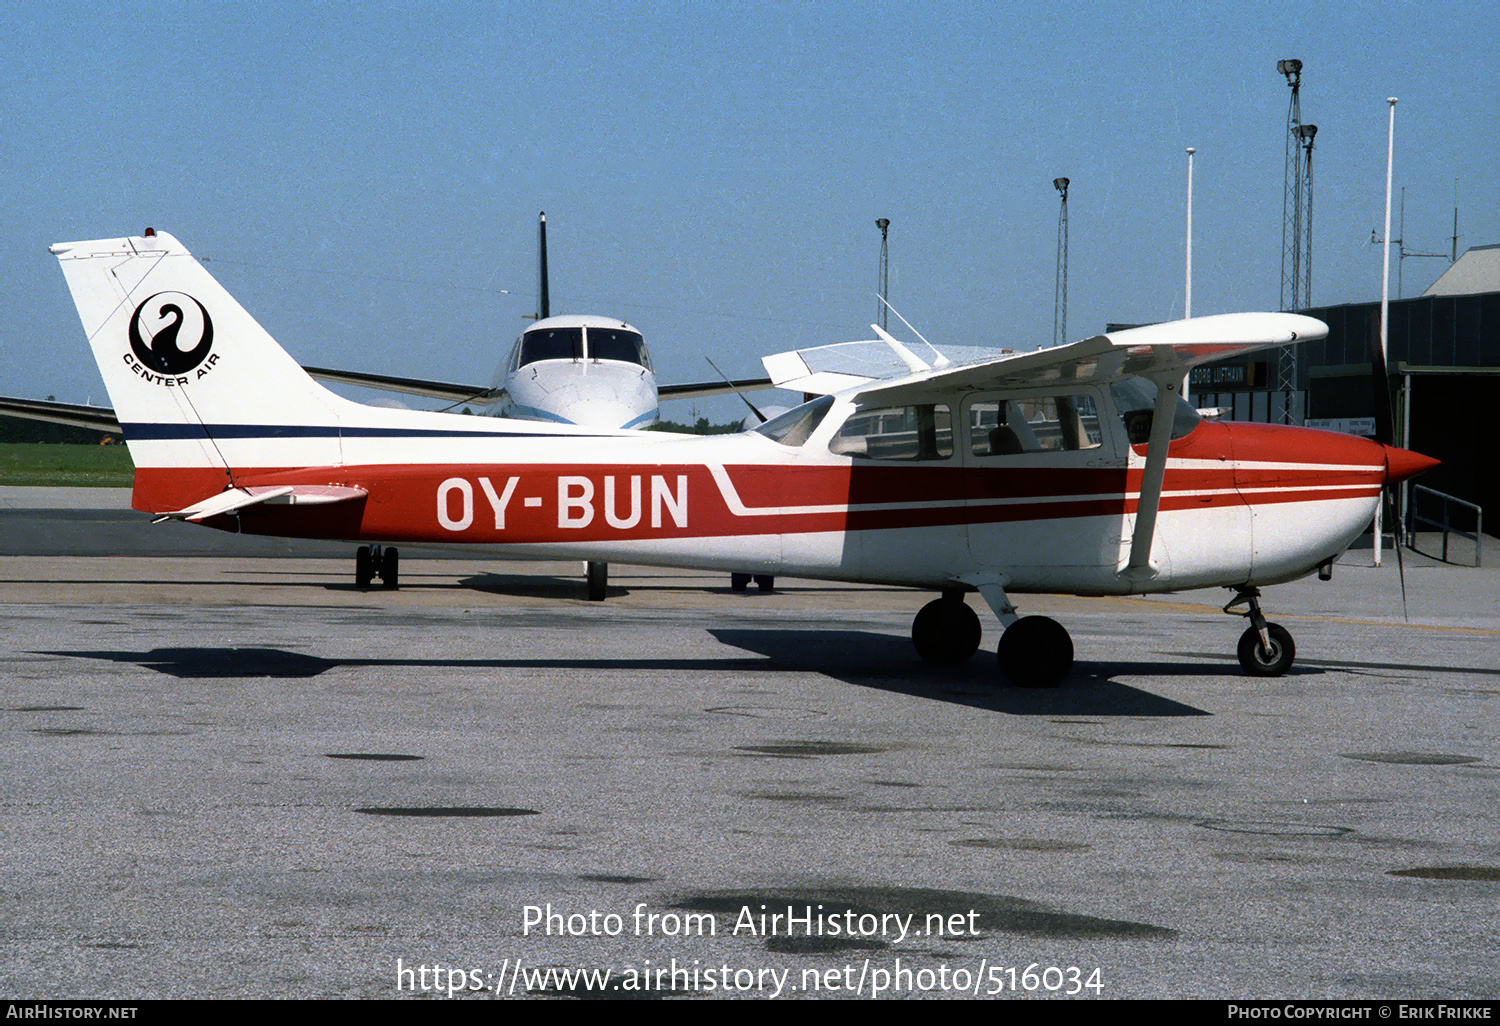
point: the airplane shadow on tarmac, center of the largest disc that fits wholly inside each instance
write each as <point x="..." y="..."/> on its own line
<point x="861" y="658"/>
<point x="888" y="663"/>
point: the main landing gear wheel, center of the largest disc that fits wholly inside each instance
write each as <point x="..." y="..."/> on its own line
<point x="946" y="631"/>
<point x="1035" y="652"/>
<point x="371" y="561"/>
<point x="1258" y="661"/>
<point x="765" y="582"/>
<point x="739" y="582"/>
<point x="364" y="567"/>
<point x="598" y="578"/>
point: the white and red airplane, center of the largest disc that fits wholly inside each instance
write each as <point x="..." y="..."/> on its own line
<point x="1077" y="469"/>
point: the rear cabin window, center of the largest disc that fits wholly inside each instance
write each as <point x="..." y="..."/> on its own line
<point x="1054" y="423"/>
<point x="919" y="432"/>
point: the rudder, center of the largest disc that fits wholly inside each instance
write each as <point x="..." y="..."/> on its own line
<point x="202" y="392"/>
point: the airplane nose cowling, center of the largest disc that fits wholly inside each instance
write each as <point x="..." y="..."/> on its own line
<point x="1401" y="464"/>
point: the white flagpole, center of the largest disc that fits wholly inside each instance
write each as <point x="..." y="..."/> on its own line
<point x="1385" y="291"/>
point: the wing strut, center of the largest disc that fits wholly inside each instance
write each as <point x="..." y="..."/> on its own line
<point x="1139" y="566"/>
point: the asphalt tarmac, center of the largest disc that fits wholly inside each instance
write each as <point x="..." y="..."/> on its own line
<point x="240" y="776"/>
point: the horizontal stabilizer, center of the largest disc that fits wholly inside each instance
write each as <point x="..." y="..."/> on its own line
<point x="235" y="499"/>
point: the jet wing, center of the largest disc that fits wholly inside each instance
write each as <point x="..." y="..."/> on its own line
<point x="99" y="418"/>
<point x="1158" y="351"/>
<point x="712" y="388"/>
<point x="480" y="395"/>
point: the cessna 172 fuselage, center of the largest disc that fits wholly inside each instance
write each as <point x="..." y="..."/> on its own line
<point x="1077" y="469"/>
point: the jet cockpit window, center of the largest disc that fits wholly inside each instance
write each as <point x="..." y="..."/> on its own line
<point x="793" y="427"/>
<point x="1136" y="400"/>
<point x="1054" y="423"/>
<point x="618" y="344"/>
<point x="918" y="432"/>
<point x="551" y="344"/>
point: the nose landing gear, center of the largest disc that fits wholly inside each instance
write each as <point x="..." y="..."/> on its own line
<point x="371" y="561"/>
<point x="1265" y="649"/>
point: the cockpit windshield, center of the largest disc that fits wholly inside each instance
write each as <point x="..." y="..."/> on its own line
<point x="551" y="344"/>
<point x="793" y="427"/>
<point x="1135" y="398"/>
<point x="618" y="344"/>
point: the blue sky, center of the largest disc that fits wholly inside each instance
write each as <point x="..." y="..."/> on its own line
<point x="366" y="177"/>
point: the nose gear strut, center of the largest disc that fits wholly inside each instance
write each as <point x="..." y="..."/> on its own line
<point x="1265" y="649"/>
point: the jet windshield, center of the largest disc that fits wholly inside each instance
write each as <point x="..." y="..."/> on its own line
<point x="551" y="344"/>
<point x="618" y="344"/>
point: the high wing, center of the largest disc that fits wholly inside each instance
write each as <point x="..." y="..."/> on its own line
<point x="98" y="418"/>
<point x="1158" y="351"/>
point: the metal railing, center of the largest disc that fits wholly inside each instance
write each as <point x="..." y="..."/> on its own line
<point x="1445" y="524"/>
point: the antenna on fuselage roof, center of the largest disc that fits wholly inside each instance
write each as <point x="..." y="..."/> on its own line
<point x="543" y="304"/>
<point x="941" y="361"/>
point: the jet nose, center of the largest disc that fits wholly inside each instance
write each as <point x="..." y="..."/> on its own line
<point x="1401" y="464"/>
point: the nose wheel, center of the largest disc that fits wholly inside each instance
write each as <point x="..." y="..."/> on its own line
<point x="1265" y="649"/>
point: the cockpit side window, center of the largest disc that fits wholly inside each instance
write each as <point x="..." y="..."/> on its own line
<point x="793" y="427"/>
<point x="1136" y="400"/>
<point x="551" y="344"/>
<point x="919" y="432"/>
<point x="618" y="344"/>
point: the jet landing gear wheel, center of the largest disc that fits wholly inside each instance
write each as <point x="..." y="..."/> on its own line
<point x="371" y="561"/>
<point x="364" y="566"/>
<point x="1257" y="661"/>
<point x="1035" y="652"/>
<point x="946" y="631"/>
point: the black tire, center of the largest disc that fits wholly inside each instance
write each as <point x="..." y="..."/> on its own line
<point x="598" y="580"/>
<point x="364" y="567"/>
<point x="1267" y="664"/>
<point x="739" y="582"/>
<point x="946" y="632"/>
<point x="765" y="582"/>
<point x="1035" y="652"/>
<point x="390" y="569"/>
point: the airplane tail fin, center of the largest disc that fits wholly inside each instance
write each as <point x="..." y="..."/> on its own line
<point x="202" y="392"/>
